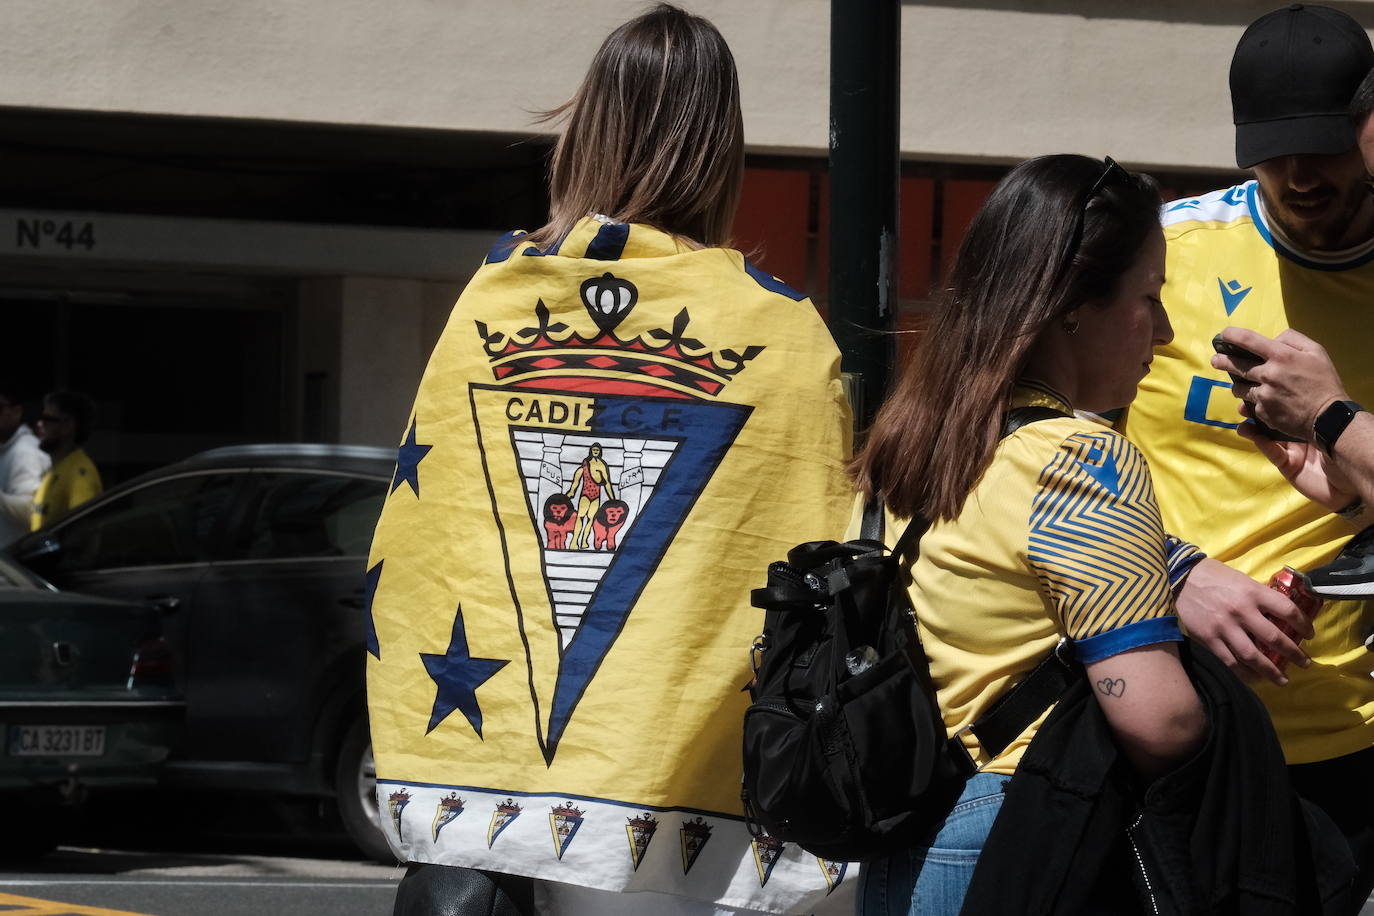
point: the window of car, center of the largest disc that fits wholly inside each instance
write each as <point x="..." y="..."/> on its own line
<point x="312" y="515"/>
<point x="172" y="521"/>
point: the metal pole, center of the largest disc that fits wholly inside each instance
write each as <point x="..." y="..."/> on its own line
<point x="865" y="61"/>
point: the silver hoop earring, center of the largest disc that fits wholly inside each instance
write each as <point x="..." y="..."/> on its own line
<point x="1070" y="326"/>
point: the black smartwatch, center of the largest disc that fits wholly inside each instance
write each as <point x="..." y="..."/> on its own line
<point x="1332" y="421"/>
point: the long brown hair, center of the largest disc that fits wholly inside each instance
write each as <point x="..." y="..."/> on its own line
<point x="654" y="134"/>
<point x="1057" y="233"/>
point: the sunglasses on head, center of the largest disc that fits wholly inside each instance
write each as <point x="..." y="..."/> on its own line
<point x="1111" y="171"/>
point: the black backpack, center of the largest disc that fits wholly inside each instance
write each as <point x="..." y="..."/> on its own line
<point x="845" y="752"/>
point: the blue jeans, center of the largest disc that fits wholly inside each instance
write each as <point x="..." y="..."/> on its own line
<point x="932" y="881"/>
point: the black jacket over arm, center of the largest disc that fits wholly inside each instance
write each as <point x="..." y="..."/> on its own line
<point x="1222" y="833"/>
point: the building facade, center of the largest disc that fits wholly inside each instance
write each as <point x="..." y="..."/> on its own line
<point x="246" y="220"/>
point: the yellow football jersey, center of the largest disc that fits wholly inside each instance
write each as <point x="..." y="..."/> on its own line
<point x="1228" y="265"/>
<point x="71" y="482"/>
<point x="612" y="441"/>
<point x="1060" y="538"/>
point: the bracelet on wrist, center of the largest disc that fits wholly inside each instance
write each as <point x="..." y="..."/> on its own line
<point x="1352" y="511"/>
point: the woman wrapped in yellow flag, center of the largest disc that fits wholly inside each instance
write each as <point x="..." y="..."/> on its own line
<point x="622" y="424"/>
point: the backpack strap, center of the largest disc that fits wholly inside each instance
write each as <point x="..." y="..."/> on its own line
<point x="871" y="527"/>
<point x="1015" y="710"/>
<point x="1018" y="417"/>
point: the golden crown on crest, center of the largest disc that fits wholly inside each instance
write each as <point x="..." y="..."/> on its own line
<point x="662" y="357"/>
<point x="567" y="810"/>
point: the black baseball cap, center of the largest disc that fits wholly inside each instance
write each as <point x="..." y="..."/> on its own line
<point x="1293" y="75"/>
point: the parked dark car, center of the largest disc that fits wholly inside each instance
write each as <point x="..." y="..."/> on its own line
<point x="257" y="555"/>
<point x="87" y="702"/>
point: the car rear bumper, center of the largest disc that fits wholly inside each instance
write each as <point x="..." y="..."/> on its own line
<point x="138" y="738"/>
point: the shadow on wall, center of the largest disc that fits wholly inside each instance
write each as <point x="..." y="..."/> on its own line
<point x="1238" y="14"/>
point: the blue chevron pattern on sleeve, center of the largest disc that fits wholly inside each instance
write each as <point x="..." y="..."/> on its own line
<point x="1183" y="556"/>
<point x="1096" y="541"/>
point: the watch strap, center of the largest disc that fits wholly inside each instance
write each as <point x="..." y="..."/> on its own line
<point x="1332" y="421"/>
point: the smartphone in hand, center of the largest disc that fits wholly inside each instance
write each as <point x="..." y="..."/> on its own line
<point x="1236" y="351"/>
<point x="1233" y="350"/>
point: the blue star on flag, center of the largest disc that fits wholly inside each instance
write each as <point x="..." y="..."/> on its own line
<point x="408" y="458"/>
<point x="374" y="575"/>
<point x="458" y="675"/>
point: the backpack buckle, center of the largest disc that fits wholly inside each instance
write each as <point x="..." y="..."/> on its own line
<point x="1064" y="652"/>
<point x="756" y="650"/>
<point x="960" y="752"/>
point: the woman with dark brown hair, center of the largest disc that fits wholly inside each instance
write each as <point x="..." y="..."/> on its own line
<point x="1051" y="532"/>
<point x="621" y="424"/>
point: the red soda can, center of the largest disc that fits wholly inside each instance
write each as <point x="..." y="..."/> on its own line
<point x="1293" y="585"/>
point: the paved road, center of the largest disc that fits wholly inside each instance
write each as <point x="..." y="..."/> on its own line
<point x="214" y="854"/>
<point x="98" y="882"/>
<point x="93" y="882"/>
<point x="90" y="882"/>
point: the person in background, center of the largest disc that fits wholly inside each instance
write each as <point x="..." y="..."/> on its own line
<point x="1045" y="538"/>
<point x="22" y="466"/>
<point x="63" y="426"/>
<point x="1292" y="387"/>
<point x="623" y="423"/>
<point x="1051" y="531"/>
<point x="1293" y="248"/>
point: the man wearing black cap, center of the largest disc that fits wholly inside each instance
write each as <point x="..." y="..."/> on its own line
<point x="1292" y="249"/>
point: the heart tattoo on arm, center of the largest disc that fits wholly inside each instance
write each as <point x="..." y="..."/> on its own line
<point x="1112" y="687"/>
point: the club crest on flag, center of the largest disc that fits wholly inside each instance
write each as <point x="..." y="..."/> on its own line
<point x="767" y="851"/>
<point x="640" y="831"/>
<point x="565" y="820"/>
<point x="608" y="440"/>
<point x="833" y="871"/>
<point x="396" y="803"/>
<point x="695" y="834"/>
<point x="506" y="812"/>
<point x="446" y="812"/>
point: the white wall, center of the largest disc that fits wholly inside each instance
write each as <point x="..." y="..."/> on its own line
<point x="982" y="80"/>
<point x="387" y="329"/>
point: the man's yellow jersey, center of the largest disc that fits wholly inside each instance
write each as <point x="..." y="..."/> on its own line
<point x="1229" y="265"/>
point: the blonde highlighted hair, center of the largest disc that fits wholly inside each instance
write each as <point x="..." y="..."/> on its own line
<point x="653" y="135"/>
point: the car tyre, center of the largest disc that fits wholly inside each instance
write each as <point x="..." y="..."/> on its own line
<point x="38" y="836"/>
<point x="355" y="790"/>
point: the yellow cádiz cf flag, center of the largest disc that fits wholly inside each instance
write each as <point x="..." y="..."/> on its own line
<point x="612" y="441"/>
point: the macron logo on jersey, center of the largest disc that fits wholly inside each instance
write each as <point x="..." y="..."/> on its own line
<point x="1232" y="295"/>
<point x="1102" y="469"/>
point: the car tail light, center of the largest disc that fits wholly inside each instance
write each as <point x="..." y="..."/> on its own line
<point x="152" y="665"/>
